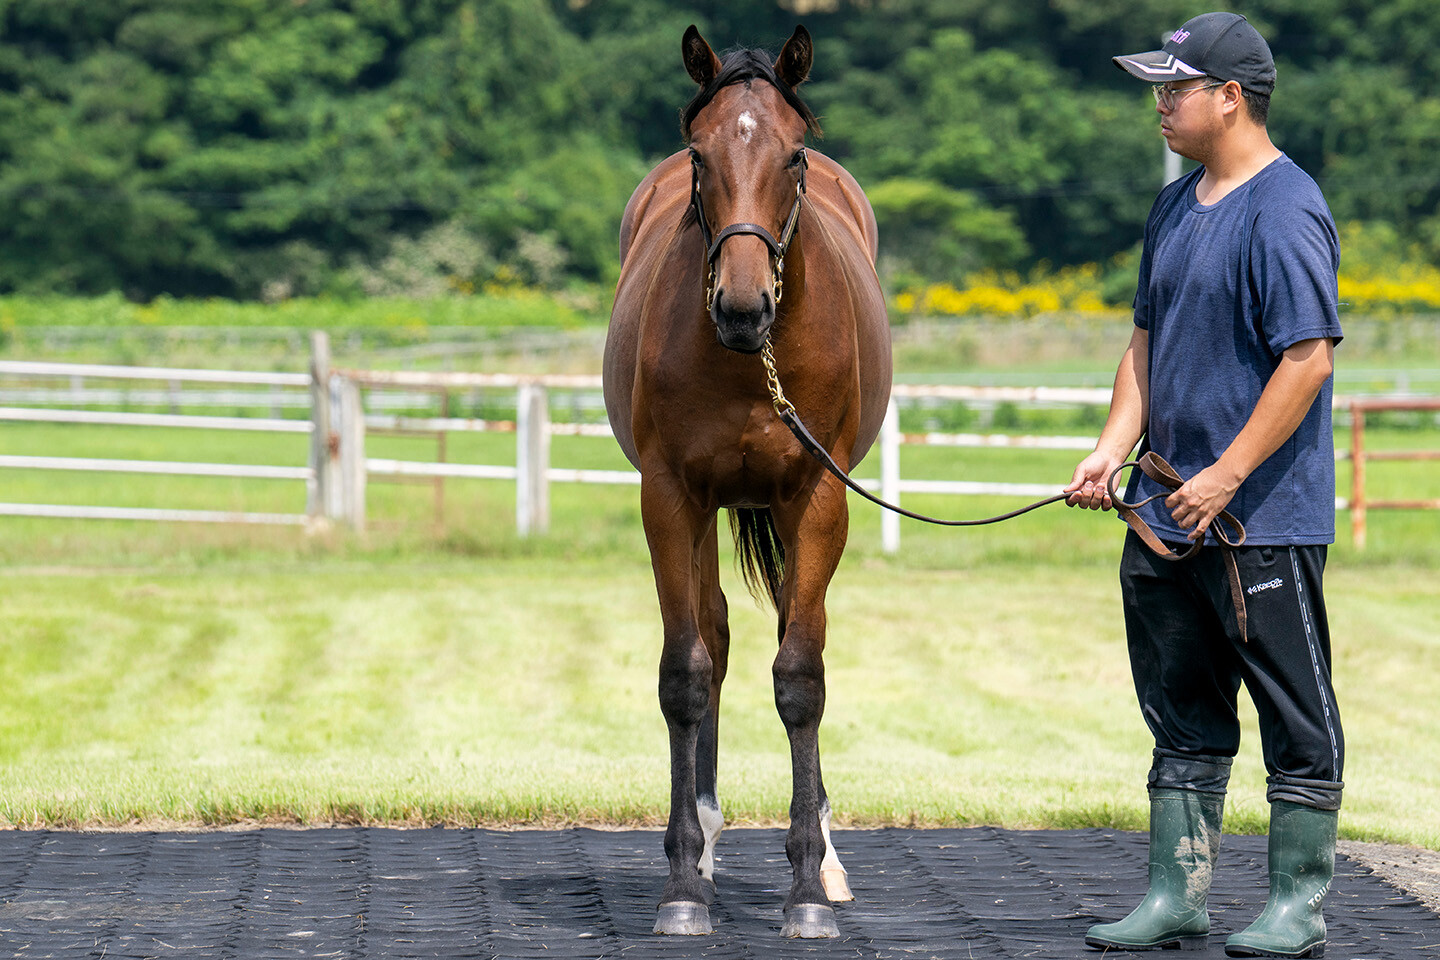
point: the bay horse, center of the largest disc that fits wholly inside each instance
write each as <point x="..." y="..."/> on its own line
<point x="745" y="240"/>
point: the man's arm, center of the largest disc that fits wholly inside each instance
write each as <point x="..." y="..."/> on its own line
<point x="1129" y="412"/>
<point x="1303" y="370"/>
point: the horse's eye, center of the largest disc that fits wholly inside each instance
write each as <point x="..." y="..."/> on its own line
<point x="696" y="159"/>
<point x="799" y="159"/>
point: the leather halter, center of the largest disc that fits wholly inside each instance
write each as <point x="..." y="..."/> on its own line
<point x="778" y="247"/>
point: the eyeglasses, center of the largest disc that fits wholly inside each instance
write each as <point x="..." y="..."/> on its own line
<point x="1168" y="97"/>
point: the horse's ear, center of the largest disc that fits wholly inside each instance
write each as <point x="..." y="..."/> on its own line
<point x="700" y="61"/>
<point x="793" y="64"/>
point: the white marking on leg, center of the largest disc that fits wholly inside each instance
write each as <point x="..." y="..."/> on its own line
<point x="832" y="872"/>
<point x="712" y="821"/>
<point x="747" y="126"/>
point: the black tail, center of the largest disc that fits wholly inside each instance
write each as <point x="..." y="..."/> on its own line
<point x="761" y="555"/>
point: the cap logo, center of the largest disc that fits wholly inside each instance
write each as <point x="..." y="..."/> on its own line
<point x="1180" y="36"/>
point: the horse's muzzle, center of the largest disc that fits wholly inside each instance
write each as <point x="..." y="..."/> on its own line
<point x="743" y="327"/>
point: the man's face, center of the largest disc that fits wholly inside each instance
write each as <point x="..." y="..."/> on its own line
<point x="1190" y="116"/>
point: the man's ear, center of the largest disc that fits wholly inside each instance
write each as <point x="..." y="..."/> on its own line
<point x="1233" y="98"/>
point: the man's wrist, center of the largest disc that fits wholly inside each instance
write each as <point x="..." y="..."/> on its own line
<point x="1113" y="449"/>
<point x="1229" y="473"/>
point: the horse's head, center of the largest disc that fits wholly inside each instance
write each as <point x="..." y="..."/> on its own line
<point x="747" y="148"/>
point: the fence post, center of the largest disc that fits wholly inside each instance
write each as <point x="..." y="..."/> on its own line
<point x="317" y="504"/>
<point x="438" y="483"/>
<point x="890" y="477"/>
<point x="1357" y="474"/>
<point x="352" y="453"/>
<point x="532" y="459"/>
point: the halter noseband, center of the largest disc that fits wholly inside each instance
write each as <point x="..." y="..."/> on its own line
<point x="777" y="247"/>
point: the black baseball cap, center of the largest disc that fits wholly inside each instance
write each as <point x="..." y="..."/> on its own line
<point x="1220" y="45"/>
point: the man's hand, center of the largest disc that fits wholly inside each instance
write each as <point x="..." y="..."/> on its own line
<point x="1201" y="498"/>
<point x="1089" y="487"/>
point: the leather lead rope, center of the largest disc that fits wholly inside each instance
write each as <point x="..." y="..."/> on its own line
<point x="1154" y="466"/>
<point x="1151" y="464"/>
<point x="785" y="410"/>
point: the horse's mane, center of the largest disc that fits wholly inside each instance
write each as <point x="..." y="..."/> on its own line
<point x="739" y="65"/>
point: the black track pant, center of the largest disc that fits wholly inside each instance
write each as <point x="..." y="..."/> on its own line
<point x="1188" y="661"/>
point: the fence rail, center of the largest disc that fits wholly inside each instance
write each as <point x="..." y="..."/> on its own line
<point x="62" y="511"/>
<point x="40" y="415"/>
<point x="338" y="469"/>
<point x="184" y="468"/>
<point x="100" y="370"/>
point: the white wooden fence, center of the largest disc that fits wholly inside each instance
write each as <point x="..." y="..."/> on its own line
<point x="533" y="429"/>
<point x="338" y="467"/>
<point x="77" y="371"/>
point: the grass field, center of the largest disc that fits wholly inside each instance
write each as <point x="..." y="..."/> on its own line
<point x="216" y="675"/>
<point x="521" y="690"/>
<point x="208" y="675"/>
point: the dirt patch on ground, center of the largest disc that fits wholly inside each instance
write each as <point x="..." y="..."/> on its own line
<point x="1413" y="869"/>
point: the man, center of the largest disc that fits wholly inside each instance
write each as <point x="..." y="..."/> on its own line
<point x="1228" y="378"/>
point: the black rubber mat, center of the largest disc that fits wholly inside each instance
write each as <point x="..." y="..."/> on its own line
<point x="973" y="893"/>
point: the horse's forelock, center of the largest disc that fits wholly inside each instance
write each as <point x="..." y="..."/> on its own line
<point x="739" y="65"/>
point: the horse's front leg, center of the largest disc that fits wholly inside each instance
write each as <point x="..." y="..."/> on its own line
<point x="715" y="630"/>
<point x="673" y="526"/>
<point x="814" y="533"/>
<point x="832" y="871"/>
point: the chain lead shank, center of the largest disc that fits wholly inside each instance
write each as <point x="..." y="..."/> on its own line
<point x="772" y="381"/>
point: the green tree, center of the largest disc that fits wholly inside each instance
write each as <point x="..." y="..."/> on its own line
<point x="934" y="232"/>
<point x="1075" y="171"/>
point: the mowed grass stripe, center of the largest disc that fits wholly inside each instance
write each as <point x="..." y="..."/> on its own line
<point x="522" y="690"/>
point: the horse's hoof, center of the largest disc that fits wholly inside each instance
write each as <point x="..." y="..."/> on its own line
<point x="707" y="890"/>
<point x="683" y="918"/>
<point x="837" y="887"/>
<point x="810" y="921"/>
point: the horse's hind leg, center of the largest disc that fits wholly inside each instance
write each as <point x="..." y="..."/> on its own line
<point x="814" y="533"/>
<point x="715" y="630"/>
<point x="674" y="528"/>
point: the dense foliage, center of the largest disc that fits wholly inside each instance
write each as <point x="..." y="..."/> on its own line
<point x="275" y="148"/>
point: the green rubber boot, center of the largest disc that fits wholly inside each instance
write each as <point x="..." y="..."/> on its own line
<point x="1184" y="842"/>
<point x="1302" y="865"/>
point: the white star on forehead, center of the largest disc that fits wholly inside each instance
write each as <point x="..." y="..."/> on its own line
<point x="747" y="126"/>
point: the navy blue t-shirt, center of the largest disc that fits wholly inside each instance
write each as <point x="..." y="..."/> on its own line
<point x="1224" y="290"/>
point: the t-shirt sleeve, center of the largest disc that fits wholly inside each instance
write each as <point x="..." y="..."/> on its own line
<point x="1294" y="257"/>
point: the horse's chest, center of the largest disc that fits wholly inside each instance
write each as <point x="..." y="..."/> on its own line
<point x="740" y="459"/>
